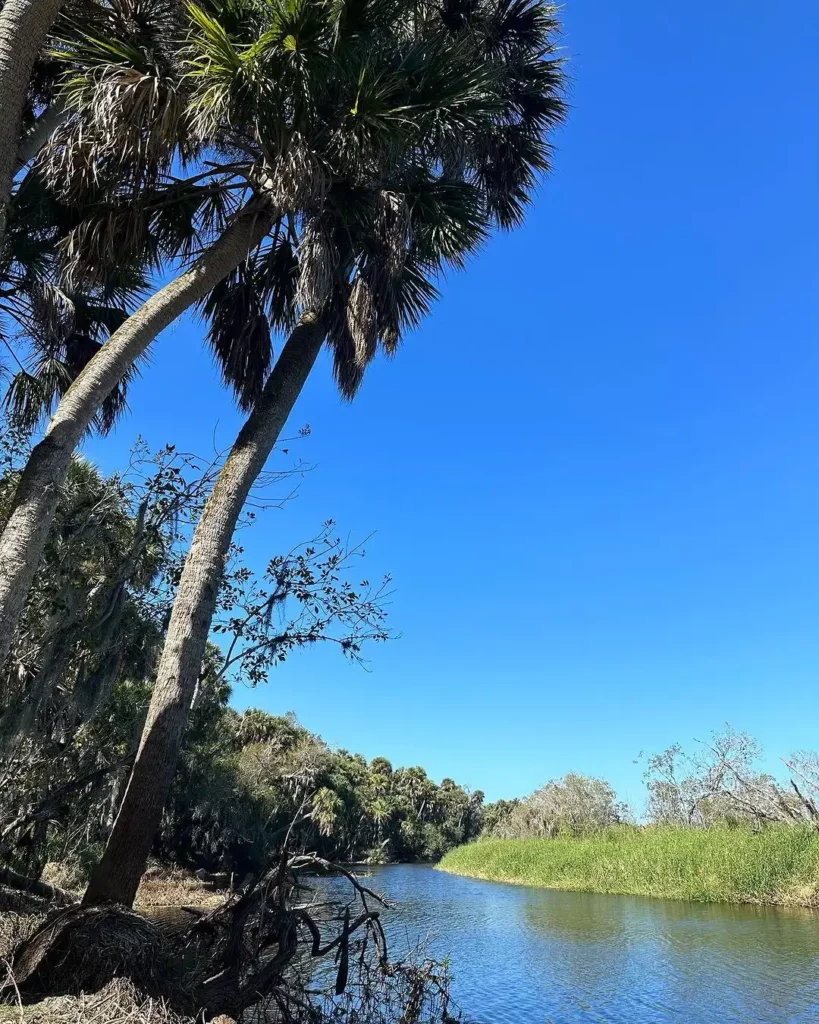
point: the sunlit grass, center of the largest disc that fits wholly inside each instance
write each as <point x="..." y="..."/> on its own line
<point x="779" y="864"/>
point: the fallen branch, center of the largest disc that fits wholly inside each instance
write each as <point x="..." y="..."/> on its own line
<point x="49" y="892"/>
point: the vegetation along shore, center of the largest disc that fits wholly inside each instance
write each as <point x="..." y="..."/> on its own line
<point x="716" y="829"/>
<point x="776" y="865"/>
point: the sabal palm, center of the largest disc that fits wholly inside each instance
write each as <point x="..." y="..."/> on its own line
<point x="30" y="107"/>
<point x="107" y="160"/>
<point x="301" y="98"/>
<point x="61" y="327"/>
<point x="375" y="283"/>
<point x="368" y="256"/>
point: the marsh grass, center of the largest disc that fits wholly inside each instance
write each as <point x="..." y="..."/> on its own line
<point x="777" y="865"/>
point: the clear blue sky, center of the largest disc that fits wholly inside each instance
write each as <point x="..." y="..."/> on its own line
<point x="594" y="472"/>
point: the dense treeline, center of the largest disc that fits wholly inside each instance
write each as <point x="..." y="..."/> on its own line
<point x="243" y="782"/>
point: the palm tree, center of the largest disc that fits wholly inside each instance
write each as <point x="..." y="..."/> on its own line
<point x="301" y="96"/>
<point x="62" y="326"/>
<point x="369" y="255"/>
<point x="353" y="325"/>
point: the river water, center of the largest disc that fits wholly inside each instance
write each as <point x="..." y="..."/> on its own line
<point x="535" y="956"/>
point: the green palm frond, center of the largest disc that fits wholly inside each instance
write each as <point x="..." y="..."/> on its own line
<point x="511" y="26"/>
<point x="64" y="330"/>
<point x="509" y="163"/>
<point x="26" y="400"/>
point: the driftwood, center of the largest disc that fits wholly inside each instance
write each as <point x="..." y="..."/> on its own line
<point x="252" y="972"/>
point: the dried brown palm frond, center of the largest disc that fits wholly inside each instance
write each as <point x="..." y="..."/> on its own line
<point x="69" y="163"/>
<point x="106" y="235"/>
<point x="127" y="133"/>
<point x="51" y="309"/>
<point x="135" y="120"/>
<point x="318" y="261"/>
<point x="393" y="227"/>
<point x="125" y="90"/>
<point x="294" y="175"/>
<point x="361" y="322"/>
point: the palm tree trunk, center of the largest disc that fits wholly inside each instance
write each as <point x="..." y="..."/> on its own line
<point x="117" y="875"/>
<point x="35" y="500"/>
<point x="24" y="25"/>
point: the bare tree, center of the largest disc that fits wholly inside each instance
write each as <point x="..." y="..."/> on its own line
<point x="576" y="804"/>
<point x="721" y="782"/>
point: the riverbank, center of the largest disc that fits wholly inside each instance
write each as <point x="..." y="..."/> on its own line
<point x="777" y="866"/>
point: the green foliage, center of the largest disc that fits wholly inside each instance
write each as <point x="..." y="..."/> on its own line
<point x="779" y="864"/>
<point x="244" y="782"/>
<point x="97" y="608"/>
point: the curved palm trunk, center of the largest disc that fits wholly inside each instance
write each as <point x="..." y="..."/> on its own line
<point x="24" y="25"/>
<point x="35" y="500"/>
<point x="117" y="875"/>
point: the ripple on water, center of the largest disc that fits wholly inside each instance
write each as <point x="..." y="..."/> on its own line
<point x="534" y="956"/>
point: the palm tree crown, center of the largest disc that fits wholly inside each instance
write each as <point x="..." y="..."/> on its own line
<point x="385" y="139"/>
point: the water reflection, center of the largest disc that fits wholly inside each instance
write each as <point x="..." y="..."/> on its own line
<point x="530" y="956"/>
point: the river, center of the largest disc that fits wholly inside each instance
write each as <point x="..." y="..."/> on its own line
<point x="535" y="956"/>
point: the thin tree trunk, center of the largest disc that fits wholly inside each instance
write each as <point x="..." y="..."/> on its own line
<point x="35" y="500"/>
<point x="24" y="25"/>
<point x="117" y="876"/>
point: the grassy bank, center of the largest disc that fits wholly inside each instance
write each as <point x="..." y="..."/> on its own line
<point x="779" y="865"/>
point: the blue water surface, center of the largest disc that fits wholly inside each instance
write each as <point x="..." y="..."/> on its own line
<point x="534" y="956"/>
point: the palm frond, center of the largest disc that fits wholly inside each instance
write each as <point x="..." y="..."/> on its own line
<point x="106" y="235"/>
<point x="239" y="334"/>
<point x="362" y="324"/>
<point x="318" y="260"/>
<point x="277" y="275"/>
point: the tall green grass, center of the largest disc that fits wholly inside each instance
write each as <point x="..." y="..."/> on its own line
<point x="779" y="865"/>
